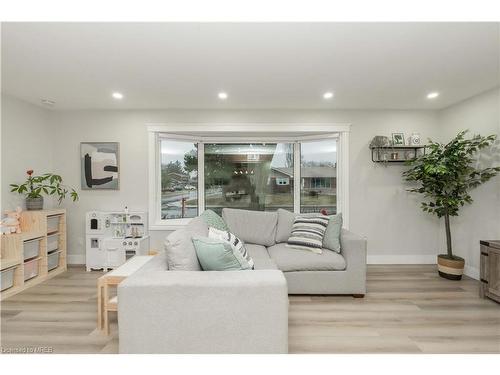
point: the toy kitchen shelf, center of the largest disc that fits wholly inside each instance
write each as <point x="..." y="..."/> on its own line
<point x="112" y="237"/>
<point x="396" y="154"/>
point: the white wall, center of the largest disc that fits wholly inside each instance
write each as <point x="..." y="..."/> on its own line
<point x="481" y="220"/>
<point x="27" y="141"/>
<point x="380" y="207"/>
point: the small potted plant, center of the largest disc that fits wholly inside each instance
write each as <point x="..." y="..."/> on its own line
<point x="446" y="175"/>
<point x="49" y="184"/>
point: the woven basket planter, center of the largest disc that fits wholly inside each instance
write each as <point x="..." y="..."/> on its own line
<point x="451" y="269"/>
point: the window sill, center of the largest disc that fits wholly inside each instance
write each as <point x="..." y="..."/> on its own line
<point x="169" y="225"/>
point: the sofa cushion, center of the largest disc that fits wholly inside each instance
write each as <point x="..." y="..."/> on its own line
<point x="217" y="255"/>
<point x="255" y="227"/>
<point x="261" y="257"/>
<point x="331" y="240"/>
<point x="285" y="224"/>
<point x="179" y="248"/>
<point x="265" y="264"/>
<point x="214" y="220"/>
<point x="257" y="251"/>
<point x="289" y="259"/>
<point x="308" y="232"/>
<point x="237" y="246"/>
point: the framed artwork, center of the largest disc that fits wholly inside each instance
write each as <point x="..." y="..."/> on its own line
<point x="100" y="165"/>
<point x="398" y="139"/>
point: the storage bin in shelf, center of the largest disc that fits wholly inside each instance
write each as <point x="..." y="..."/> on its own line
<point x="31" y="248"/>
<point x="53" y="260"/>
<point x="31" y="268"/>
<point x="52" y="242"/>
<point x="7" y="278"/>
<point x="53" y="223"/>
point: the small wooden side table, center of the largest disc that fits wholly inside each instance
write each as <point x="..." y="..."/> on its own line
<point x="112" y="279"/>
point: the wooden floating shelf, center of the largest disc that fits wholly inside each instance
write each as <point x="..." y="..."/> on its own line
<point x="392" y="154"/>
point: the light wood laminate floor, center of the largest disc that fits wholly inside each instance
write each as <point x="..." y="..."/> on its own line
<point x="408" y="309"/>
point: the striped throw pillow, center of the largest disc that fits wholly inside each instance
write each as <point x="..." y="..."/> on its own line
<point x="308" y="232"/>
<point x="237" y="246"/>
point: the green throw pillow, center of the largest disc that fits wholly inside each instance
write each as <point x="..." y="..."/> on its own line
<point x="331" y="239"/>
<point x="214" y="220"/>
<point x="215" y="255"/>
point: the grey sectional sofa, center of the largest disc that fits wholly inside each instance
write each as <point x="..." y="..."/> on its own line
<point x="165" y="311"/>
<point x="265" y="235"/>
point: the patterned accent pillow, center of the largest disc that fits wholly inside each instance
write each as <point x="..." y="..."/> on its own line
<point x="215" y="255"/>
<point x="237" y="246"/>
<point x="308" y="232"/>
<point x="213" y="220"/>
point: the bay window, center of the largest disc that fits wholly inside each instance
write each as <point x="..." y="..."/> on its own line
<point x="318" y="176"/>
<point x="190" y="174"/>
<point x="178" y="179"/>
<point x="244" y="175"/>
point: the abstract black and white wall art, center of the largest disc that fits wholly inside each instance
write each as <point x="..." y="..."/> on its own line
<point x="100" y="165"/>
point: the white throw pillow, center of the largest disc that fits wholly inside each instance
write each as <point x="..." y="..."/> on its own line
<point x="236" y="244"/>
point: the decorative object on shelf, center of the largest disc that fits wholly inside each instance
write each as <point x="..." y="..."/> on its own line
<point x="35" y="186"/>
<point x="398" y="139"/>
<point x="415" y="139"/>
<point x="100" y="165"/>
<point x="445" y="175"/>
<point x="380" y="141"/>
<point x="12" y="221"/>
<point x="394" y="156"/>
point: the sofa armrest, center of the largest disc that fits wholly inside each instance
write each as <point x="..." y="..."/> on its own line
<point x="353" y="248"/>
<point x="203" y="312"/>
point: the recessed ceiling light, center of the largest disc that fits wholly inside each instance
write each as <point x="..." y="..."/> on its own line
<point x="48" y="102"/>
<point x="328" y="95"/>
<point x="432" y="95"/>
<point x="117" y="95"/>
<point x="222" y="95"/>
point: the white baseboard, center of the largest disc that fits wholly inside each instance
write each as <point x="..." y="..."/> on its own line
<point x="401" y="259"/>
<point x="77" y="259"/>
<point x="472" y="272"/>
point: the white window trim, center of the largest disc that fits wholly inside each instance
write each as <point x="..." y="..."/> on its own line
<point x="256" y="132"/>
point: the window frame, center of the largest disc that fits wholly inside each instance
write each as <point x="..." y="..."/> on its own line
<point x="255" y="133"/>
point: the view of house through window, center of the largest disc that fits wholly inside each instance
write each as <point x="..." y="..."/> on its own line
<point x="179" y="179"/>
<point x="249" y="176"/>
<point x="318" y="176"/>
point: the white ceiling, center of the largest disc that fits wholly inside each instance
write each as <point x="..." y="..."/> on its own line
<point x="273" y="65"/>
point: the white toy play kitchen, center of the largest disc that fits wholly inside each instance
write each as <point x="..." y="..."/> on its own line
<point x="113" y="237"/>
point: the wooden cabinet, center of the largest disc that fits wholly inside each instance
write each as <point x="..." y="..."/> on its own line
<point x="490" y="270"/>
<point x="25" y="269"/>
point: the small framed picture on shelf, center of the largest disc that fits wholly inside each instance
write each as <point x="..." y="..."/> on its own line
<point x="398" y="139"/>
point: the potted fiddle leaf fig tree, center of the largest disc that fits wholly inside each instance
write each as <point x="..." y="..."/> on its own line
<point x="445" y="176"/>
<point x="36" y="186"/>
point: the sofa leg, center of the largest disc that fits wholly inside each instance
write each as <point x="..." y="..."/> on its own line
<point x="358" y="295"/>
